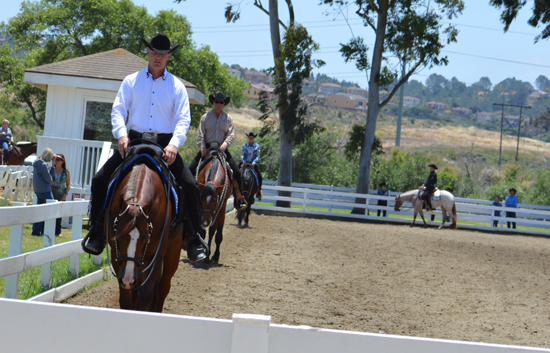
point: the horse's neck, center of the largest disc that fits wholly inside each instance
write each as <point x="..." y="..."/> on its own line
<point x="408" y="196"/>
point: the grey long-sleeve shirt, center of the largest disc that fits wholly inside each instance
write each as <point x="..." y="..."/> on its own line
<point x="216" y="129"/>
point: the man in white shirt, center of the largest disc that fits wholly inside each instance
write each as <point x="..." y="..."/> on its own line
<point x="158" y="107"/>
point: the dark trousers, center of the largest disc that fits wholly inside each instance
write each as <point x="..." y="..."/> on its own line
<point x="426" y="196"/>
<point x="495" y="223"/>
<point x="232" y="164"/>
<point x="511" y="215"/>
<point x="38" y="228"/>
<point x="191" y="199"/>
<point x="382" y="203"/>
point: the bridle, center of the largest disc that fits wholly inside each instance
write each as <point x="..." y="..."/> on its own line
<point x="248" y="191"/>
<point x="139" y="262"/>
<point x="219" y="198"/>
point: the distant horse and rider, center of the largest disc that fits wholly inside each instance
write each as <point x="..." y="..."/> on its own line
<point x="251" y="177"/>
<point x="17" y="153"/>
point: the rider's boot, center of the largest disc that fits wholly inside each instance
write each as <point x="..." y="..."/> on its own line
<point x="239" y="201"/>
<point x="259" y="194"/>
<point x="94" y="242"/>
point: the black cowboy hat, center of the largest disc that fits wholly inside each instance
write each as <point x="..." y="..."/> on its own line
<point x="512" y="189"/>
<point x="219" y="96"/>
<point x="251" y="134"/>
<point x="382" y="184"/>
<point x="160" y="44"/>
<point x="432" y="166"/>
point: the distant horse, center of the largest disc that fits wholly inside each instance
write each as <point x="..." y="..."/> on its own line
<point x="215" y="188"/>
<point x="446" y="202"/>
<point x="20" y="151"/>
<point x="249" y="190"/>
<point x="144" y="235"/>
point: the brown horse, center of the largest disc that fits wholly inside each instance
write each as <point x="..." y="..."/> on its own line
<point x="215" y="189"/>
<point x="145" y="242"/>
<point x="19" y="152"/>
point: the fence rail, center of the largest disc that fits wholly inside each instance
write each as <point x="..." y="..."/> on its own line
<point x="130" y="331"/>
<point x="321" y="201"/>
<point x="17" y="262"/>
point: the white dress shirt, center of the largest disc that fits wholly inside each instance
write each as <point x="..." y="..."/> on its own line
<point x="160" y="106"/>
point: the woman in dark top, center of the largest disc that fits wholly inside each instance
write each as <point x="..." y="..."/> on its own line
<point x="429" y="186"/>
<point x="61" y="183"/>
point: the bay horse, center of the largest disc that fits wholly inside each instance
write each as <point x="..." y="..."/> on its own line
<point x="144" y="233"/>
<point x="249" y="190"/>
<point x="446" y="202"/>
<point x="19" y="152"/>
<point x="215" y="188"/>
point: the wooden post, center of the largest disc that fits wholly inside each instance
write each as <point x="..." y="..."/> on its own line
<point x="76" y="234"/>
<point x="330" y="206"/>
<point x="250" y="333"/>
<point x="305" y="199"/>
<point x="15" y="248"/>
<point x="49" y="240"/>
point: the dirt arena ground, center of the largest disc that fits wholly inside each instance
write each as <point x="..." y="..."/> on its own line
<point x="385" y="278"/>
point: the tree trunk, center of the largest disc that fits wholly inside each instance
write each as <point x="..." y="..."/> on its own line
<point x="363" y="178"/>
<point x="285" y="163"/>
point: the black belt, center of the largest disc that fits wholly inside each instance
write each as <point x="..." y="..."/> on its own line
<point x="151" y="136"/>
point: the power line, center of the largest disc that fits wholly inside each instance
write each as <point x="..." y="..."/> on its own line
<point x="497" y="59"/>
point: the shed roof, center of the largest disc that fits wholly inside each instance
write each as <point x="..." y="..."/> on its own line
<point x="110" y="67"/>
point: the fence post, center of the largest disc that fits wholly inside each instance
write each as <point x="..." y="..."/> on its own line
<point x="15" y="248"/>
<point x="330" y="205"/>
<point x="76" y="234"/>
<point x="49" y="240"/>
<point x="304" y="202"/>
<point x="250" y="333"/>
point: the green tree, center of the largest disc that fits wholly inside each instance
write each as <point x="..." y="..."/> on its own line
<point x="407" y="29"/>
<point x="511" y="8"/>
<point x="49" y="31"/>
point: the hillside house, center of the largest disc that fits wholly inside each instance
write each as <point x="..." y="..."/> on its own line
<point x="537" y="94"/>
<point x="346" y="101"/>
<point x="308" y="86"/>
<point x="253" y="92"/>
<point x="357" y="91"/>
<point x="511" y="121"/>
<point x="410" y="102"/>
<point x="484" y="117"/>
<point x="437" y="105"/>
<point x="255" y="77"/>
<point x="80" y="95"/>
<point x="461" y="112"/>
<point x="382" y="95"/>
<point x="329" y="88"/>
<point x="532" y="126"/>
<point x="237" y="73"/>
<point x="316" y="98"/>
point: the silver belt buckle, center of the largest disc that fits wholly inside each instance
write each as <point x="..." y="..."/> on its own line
<point x="151" y="136"/>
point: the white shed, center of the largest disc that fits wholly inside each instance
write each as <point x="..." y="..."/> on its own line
<point x="80" y="94"/>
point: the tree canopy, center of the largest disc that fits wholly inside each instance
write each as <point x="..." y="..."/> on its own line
<point x="49" y="31"/>
<point x="540" y="15"/>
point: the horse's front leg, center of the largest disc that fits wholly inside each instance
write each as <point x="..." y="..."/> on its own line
<point x="423" y="220"/>
<point x="414" y="218"/>
<point x="247" y="214"/>
<point x="219" y="238"/>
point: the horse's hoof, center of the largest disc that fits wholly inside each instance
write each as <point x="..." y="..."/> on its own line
<point x="245" y="225"/>
<point x="197" y="264"/>
<point x="410" y="226"/>
<point x="239" y="225"/>
<point x="425" y="227"/>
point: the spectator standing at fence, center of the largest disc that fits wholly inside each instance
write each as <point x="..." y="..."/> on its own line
<point x="383" y="192"/>
<point x="497" y="203"/>
<point x="42" y="184"/>
<point x="511" y="201"/>
<point x="6" y="138"/>
<point x="61" y="184"/>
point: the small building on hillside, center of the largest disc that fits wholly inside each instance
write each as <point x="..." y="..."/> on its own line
<point x="484" y="117"/>
<point x="532" y="126"/>
<point x="253" y="92"/>
<point x="357" y="91"/>
<point x="461" y="112"/>
<point x="538" y="94"/>
<point x="315" y="99"/>
<point x="437" y="105"/>
<point x="511" y="121"/>
<point x="237" y="73"/>
<point x="255" y="77"/>
<point x="329" y="88"/>
<point x="346" y="101"/>
<point x="308" y="86"/>
<point x="80" y="96"/>
<point x="410" y="102"/>
<point x="382" y="95"/>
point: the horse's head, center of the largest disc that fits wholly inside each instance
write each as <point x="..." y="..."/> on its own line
<point x="248" y="179"/>
<point x="209" y="198"/>
<point x="398" y="203"/>
<point x="215" y="190"/>
<point x="132" y="236"/>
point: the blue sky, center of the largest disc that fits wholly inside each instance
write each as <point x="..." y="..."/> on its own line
<point x="483" y="49"/>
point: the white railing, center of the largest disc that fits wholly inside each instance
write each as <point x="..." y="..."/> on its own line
<point x="17" y="184"/>
<point x="131" y="331"/>
<point x="17" y="262"/>
<point x="340" y="204"/>
<point x="83" y="157"/>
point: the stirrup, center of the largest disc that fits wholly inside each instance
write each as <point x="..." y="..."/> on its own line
<point x="88" y="250"/>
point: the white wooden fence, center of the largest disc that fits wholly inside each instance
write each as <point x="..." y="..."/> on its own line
<point x="16" y="262"/>
<point x="338" y="202"/>
<point x="17" y="184"/>
<point x="130" y="331"/>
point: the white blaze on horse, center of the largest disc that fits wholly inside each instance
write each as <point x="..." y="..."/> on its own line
<point x="446" y="202"/>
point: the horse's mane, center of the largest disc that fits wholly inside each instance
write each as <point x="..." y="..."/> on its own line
<point x="133" y="187"/>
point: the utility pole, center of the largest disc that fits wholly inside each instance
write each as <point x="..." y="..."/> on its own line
<point x="510" y="127"/>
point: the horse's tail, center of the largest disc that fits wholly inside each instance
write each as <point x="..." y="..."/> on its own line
<point x="453" y="225"/>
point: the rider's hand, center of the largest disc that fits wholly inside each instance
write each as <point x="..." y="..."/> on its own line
<point x="54" y="184"/>
<point x="245" y="164"/>
<point x="253" y="164"/>
<point x="203" y="152"/>
<point x="170" y="153"/>
<point x="123" y="145"/>
<point x="222" y="148"/>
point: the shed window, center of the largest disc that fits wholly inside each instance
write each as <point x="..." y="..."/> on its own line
<point x="97" y="123"/>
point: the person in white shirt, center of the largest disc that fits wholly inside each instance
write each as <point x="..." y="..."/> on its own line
<point x="158" y="108"/>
